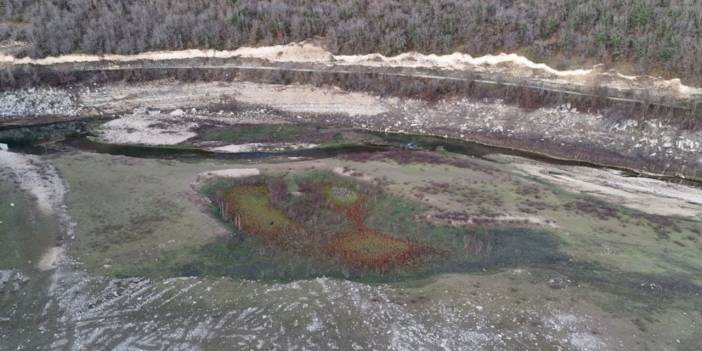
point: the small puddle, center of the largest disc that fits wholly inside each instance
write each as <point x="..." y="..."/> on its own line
<point x="85" y="143"/>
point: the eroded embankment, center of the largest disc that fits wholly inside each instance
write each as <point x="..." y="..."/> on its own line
<point x="612" y="138"/>
<point x="641" y="96"/>
<point x="509" y="65"/>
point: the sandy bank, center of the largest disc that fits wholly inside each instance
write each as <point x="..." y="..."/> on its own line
<point x="305" y="52"/>
<point x="37" y="178"/>
<point x="644" y="194"/>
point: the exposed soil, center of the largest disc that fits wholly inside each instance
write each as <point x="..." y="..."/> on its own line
<point x="509" y="64"/>
<point x="645" y="194"/>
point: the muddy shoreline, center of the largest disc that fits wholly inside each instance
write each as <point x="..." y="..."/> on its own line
<point x="420" y="83"/>
<point x="614" y="108"/>
<point x="532" y="149"/>
<point x="77" y="138"/>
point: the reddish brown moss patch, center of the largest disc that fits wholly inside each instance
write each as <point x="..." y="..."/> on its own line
<point x="249" y="208"/>
<point x="364" y="248"/>
<point x="370" y="250"/>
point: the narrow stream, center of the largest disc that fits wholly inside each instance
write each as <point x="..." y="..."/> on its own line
<point x="48" y="138"/>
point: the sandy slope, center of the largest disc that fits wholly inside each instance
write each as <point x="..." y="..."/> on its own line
<point x="36" y="178"/>
<point x="644" y="194"/>
<point x="305" y="52"/>
<point x="41" y="180"/>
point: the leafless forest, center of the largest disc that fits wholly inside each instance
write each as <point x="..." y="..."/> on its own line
<point x="659" y="37"/>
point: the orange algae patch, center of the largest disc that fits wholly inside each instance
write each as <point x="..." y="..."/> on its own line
<point x="349" y="202"/>
<point x="364" y="248"/>
<point x="249" y="208"/>
<point x="370" y="250"/>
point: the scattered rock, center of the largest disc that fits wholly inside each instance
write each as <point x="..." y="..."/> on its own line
<point x="37" y="102"/>
<point x="560" y="282"/>
<point x="12" y="281"/>
<point x="177" y="113"/>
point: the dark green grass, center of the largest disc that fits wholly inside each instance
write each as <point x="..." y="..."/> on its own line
<point x="257" y="133"/>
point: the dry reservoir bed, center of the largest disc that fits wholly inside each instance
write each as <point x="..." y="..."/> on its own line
<point x="212" y="215"/>
<point x="512" y="258"/>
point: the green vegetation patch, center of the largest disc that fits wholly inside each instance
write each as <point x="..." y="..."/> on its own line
<point x="342" y="196"/>
<point x="315" y="222"/>
<point x="372" y="246"/>
<point x="284" y="133"/>
<point x="256" y="133"/>
<point x="134" y="219"/>
<point x="248" y="206"/>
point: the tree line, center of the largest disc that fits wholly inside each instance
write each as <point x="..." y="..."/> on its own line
<point x="641" y="36"/>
